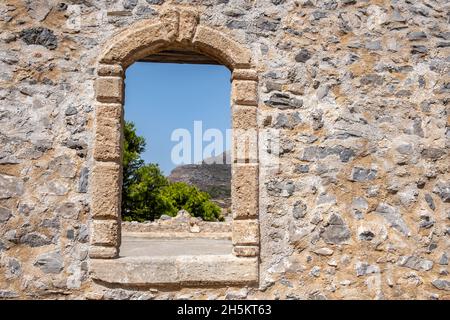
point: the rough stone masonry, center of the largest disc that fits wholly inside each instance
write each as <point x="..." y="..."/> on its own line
<point x="359" y="207"/>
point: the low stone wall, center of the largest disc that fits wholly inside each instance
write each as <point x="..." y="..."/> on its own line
<point x="183" y="223"/>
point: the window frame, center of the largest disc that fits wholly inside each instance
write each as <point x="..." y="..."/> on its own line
<point x="177" y="29"/>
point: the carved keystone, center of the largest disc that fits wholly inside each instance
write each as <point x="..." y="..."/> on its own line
<point x="187" y="25"/>
<point x="171" y="19"/>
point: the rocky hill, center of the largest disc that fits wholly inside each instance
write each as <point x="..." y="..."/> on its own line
<point x="213" y="175"/>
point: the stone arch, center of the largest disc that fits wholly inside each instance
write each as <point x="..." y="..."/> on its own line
<point x="177" y="28"/>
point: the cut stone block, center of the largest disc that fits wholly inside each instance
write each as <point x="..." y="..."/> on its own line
<point x="106" y="190"/>
<point x="244" y="191"/>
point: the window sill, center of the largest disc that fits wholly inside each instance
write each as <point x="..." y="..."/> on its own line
<point x="176" y="270"/>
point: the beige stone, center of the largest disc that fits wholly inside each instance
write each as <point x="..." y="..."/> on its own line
<point x="244" y="92"/>
<point x="105" y="188"/>
<point x="244" y="191"/>
<point x="109" y="89"/>
<point x="108" y="133"/>
<point x="216" y="44"/>
<point x="139" y="40"/>
<point x="100" y="252"/>
<point x="246" y="251"/>
<point x="105" y="233"/>
<point x="183" y="270"/>
<point x="187" y="25"/>
<point x="244" y="147"/>
<point x="244" y="74"/>
<point x="244" y="117"/>
<point x="245" y="232"/>
<point x="110" y="70"/>
<point x="170" y="19"/>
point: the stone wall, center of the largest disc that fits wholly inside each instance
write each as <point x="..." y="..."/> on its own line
<point x="359" y="206"/>
<point x="182" y="225"/>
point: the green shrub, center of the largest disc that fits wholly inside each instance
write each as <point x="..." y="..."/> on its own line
<point x="147" y="194"/>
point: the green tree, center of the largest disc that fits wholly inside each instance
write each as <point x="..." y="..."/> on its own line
<point x="179" y="195"/>
<point x="147" y="194"/>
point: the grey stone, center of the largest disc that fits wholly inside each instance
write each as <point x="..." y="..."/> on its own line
<point x="165" y="217"/>
<point x="303" y="56"/>
<point x="40" y="36"/>
<point x="417" y="35"/>
<point x="302" y="168"/>
<point x="129" y="4"/>
<point x="363" y="268"/>
<point x="317" y="15"/>
<point x="415" y="263"/>
<point x="68" y="210"/>
<point x="325" y="198"/>
<point x="393" y="217"/>
<point x="372" y="79"/>
<point x="287" y="121"/>
<point x="70" y="111"/>
<point x="11" y="235"/>
<point x="281" y="188"/>
<point x="237" y="24"/>
<point x="373" y="45"/>
<point x="10" y="186"/>
<point x="426" y="222"/>
<point x="38" y="9"/>
<point x="433" y="153"/>
<point x="322" y="92"/>
<point x="35" y="239"/>
<point x="430" y="201"/>
<point x="419" y="49"/>
<point x="83" y="234"/>
<point x="315" y="271"/>
<point x="442" y="189"/>
<point x="314" y="153"/>
<point x="8" y="294"/>
<point x="61" y="6"/>
<point x="14" y="267"/>
<point x="361" y="174"/>
<point x="5" y="214"/>
<point x="51" y="262"/>
<point x="441" y="284"/>
<point x="51" y="223"/>
<point x="443" y="260"/>
<point x="84" y="179"/>
<point x="366" y="235"/>
<point x="79" y="145"/>
<point x="236" y="294"/>
<point x="337" y="231"/>
<point x="324" y="251"/>
<point x="299" y="210"/>
<point x="284" y="101"/>
<point x="267" y="24"/>
<point x="155" y="1"/>
<point x="405" y="148"/>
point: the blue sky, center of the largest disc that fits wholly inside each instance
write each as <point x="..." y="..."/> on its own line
<point x="161" y="97"/>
